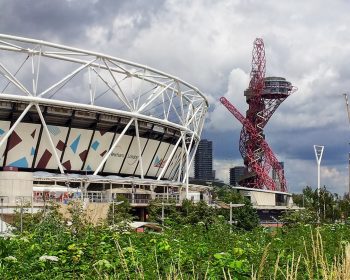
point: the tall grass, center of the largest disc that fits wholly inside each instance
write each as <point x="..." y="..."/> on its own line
<point x="311" y="264"/>
<point x="315" y="263"/>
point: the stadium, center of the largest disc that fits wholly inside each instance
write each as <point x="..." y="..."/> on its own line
<point x="77" y="121"/>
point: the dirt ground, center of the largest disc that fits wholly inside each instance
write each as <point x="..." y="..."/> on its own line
<point x="96" y="212"/>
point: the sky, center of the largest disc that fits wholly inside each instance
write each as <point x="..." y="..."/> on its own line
<point x="209" y="45"/>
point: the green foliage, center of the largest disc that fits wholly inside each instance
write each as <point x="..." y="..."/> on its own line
<point x="171" y="215"/>
<point x="245" y="217"/>
<point x="191" y="213"/>
<point x="301" y="217"/>
<point x="184" y="252"/>
<point x="24" y="219"/>
<point x="202" y="248"/>
<point x="48" y="217"/>
<point x="199" y="212"/>
<point x="344" y="208"/>
<point x="228" y="194"/>
<point x="119" y="212"/>
<point x="78" y="222"/>
<point x="329" y="206"/>
<point x="197" y="243"/>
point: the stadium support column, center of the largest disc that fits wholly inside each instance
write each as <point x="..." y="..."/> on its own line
<point x="179" y="168"/>
<point x="169" y="159"/>
<point x="139" y="147"/>
<point x="50" y="139"/>
<point x="187" y="170"/>
<point x="15" y="124"/>
<point x="38" y="141"/>
<point x="188" y="162"/>
<point x="106" y="156"/>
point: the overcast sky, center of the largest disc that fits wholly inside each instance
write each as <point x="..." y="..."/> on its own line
<point x="209" y="44"/>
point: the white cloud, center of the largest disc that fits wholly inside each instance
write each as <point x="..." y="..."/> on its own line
<point x="301" y="173"/>
<point x="222" y="168"/>
<point x="97" y="35"/>
<point x="220" y="119"/>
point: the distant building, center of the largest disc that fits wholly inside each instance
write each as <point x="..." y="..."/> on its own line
<point x="236" y="173"/>
<point x="203" y="161"/>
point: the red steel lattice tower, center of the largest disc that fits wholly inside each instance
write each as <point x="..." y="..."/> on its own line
<point x="263" y="96"/>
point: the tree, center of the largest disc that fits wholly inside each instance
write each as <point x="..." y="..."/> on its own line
<point x="246" y="217"/>
<point x="326" y="203"/>
<point x="194" y="213"/>
<point x="344" y="208"/>
<point x="171" y="215"/>
<point x="227" y="195"/>
<point x="119" y="212"/>
<point x="301" y="217"/>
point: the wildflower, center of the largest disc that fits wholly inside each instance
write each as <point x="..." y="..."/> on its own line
<point x="45" y="258"/>
<point x="11" y="259"/>
<point x="24" y="239"/>
<point x="103" y="264"/>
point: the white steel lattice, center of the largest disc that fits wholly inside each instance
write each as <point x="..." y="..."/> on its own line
<point x="41" y="73"/>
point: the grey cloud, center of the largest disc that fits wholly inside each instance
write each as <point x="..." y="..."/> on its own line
<point x="67" y="21"/>
<point x="202" y="42"/>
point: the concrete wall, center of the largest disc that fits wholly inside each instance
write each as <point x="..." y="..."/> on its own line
<point x="260" y="198"/>
<point x="14" y="184"/>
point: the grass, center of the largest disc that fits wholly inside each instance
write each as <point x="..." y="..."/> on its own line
<point x="317" y="264"/>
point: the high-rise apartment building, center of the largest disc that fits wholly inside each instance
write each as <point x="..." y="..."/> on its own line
<point x="203" y="161"/>
<point x="236" y="173"/>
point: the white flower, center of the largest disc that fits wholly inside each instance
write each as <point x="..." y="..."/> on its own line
<point x="44" y="258"/>
<point x="11" y="259"/>
<point x="24" y="239"/>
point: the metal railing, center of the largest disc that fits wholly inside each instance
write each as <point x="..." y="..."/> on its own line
<point x="139" y="201"/>
<point x="167" y="197"/>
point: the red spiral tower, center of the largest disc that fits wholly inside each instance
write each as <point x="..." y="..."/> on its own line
<point x="263" y="96"/>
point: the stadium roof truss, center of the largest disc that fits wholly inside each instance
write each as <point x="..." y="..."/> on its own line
<point x="40" y="74"/>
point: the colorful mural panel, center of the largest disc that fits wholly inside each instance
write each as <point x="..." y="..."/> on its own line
<point x="4" y="127"/>
<point x="175" y="161"/>
<point x="159" y="160"/>
<point x="166" y="158"/>
<point x="148" y="153"/>
<point x="124" y="159"/>
<point x="100" y="145"/>
<point x="45" y="158"/>
<point x="132" y="158"/>
<point x="21" y="145"/>
<point x="76" y="150"/>
<point x="114" y="162"/>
